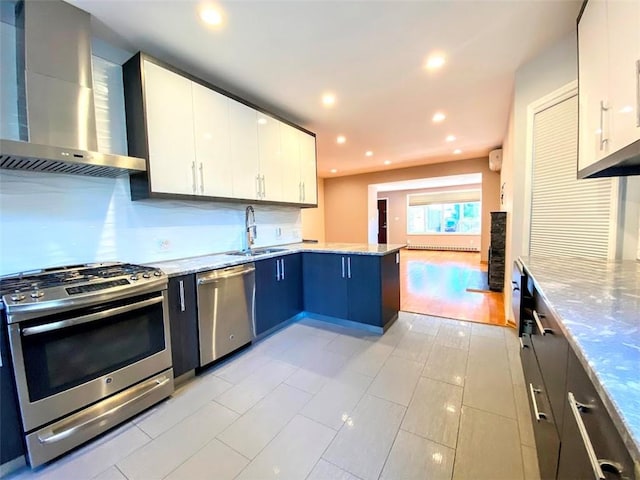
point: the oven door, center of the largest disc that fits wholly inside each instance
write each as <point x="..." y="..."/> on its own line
<point x="67" y="361"/>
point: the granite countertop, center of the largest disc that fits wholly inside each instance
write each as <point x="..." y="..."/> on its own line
<point x="598" y="305"/>
<point x="202" y="263"/>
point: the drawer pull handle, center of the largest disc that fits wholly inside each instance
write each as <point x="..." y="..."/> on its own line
<point x="593" y="459"/>
<point x="543" y="330"/>
<point x="538" y="414"/>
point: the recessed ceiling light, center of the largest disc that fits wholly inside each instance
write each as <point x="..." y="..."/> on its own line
<point x="387" y="162"/>
<point x="211" y="15"/>
<point x="435" y="61"/>
<point x="438" y="117"/>
<point x="328" y="99"/>
<point x="341" y="139"/>
<point x="368" y="153"/>
<point x="450" y="138"/>
<point x="457" y="151"/>
<point x="333" y="170"/>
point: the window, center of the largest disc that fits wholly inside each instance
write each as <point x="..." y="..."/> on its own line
<point x="459" y="217"/>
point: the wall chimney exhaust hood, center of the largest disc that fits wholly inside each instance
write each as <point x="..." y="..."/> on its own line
<point x="56" y="116"/>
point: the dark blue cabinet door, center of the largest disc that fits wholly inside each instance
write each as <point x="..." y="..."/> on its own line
<point x="291" y="285"/>
<point x="183" y="322"/>
<point x="325" y="284"/>
<point x="365" y="301"/>
<point x="10" y="428"/>
<point x="268" y="301"/>
<point x="390" y="284"/>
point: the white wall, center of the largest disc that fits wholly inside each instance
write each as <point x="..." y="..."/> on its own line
<point x="50" y="220"/>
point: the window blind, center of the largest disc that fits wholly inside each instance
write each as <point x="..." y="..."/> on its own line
<point x="453" y="196"/>
<point x="569" y="217"/>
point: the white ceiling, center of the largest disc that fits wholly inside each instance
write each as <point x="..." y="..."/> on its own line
<point x="283" y="55"/>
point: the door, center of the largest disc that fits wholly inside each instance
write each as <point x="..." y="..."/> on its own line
<point x="183" y="322"/>
<point x="363" y="278"/>
<point x="382" y="220"/>
<point x="271" y="154"/>
<point x="243" y="131"/>
<point x="269" y="309"/>
<point x="308" y="174"/>
<point x="289" y="167"/>
<point x="325" y="284"/>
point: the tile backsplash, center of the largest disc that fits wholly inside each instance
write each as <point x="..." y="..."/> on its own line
<point x="51" y="220"/>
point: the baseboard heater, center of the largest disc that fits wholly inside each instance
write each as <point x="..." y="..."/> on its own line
<point x="445" y="248"/>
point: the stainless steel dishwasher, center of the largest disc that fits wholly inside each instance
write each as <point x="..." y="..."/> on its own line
<point x="226" y="312"/>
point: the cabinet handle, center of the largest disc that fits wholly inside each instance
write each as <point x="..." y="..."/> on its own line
<point x="264" y="189"/>
<point x="638" y="93"/>
<point x="181" y="290"/>
<point x="277" y="270"/>
<point x="397" y="258"/>
<point x="304" y="192"/>
<point x="193" y="176"/>
<point x="201" y="179"/>
<point x="543" y="330"/>
<point x="342" y="267"/>
<point x="522" y="345"/>
<point x="349" y="267"/>
<point x="538" y="414"/>
<point x="300" y="191"/>
<point x="516" y="288"/>
<point x="593" y="459"/>
<point x="258" y="191"/>
<point x="282" y="263"/>
<point x="602" y="110"/>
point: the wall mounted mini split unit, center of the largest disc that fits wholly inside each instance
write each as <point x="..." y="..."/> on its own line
<point x="495" y="160"/>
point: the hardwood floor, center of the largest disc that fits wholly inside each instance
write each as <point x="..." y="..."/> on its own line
<point x="435" y="283"/>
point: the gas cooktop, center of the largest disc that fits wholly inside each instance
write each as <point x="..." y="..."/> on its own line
<point x="60" y="283"/>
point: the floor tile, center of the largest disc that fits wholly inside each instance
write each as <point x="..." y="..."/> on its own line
<point x="111" y="474"/>
<point x="188" y="399"/>
<point x="370" y="360"/>
<point x="446" y="364"/>
<point x="93" y="458"/>
<point x="415" y="458"/>
<point x="453" y="335"/>
<point x="337" y="399"/>
<point x="304" y="351"/>
<point x="488" y="384"/>
<point x="241" y="366"/>
<point x="292" y="454"/>
<point x="397" y="380"/>
<point x="256" y="428"/>
<point x="434" y="412"/>
<point x="483" y="330"/>
<point x="363" y="444"/>
<point x="530" y="461"/>
<point x="328" y="471"/>
<point x="347" y="345"/>
<point x="256" y="386"/>
<point x="215" y="460"/>
<point x="488" y="447"/>
<point x="414" y="346"/>
<point x="425" y="324"/>
<point x="306" y="380"/>
<point x="161" y="456"/>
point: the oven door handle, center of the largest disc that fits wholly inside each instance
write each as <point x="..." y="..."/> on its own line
<point x="92" y="317"/>
<point x="146" y="389"/>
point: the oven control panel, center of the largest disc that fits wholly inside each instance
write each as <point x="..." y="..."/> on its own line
<point x="94" y="287"/>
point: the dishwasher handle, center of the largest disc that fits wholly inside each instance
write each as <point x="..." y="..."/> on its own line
<point x="224" y="276"/>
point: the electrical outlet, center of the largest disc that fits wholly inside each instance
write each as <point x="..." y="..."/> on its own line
<point x="278" y="232"/>
<point x="164" y="245"/>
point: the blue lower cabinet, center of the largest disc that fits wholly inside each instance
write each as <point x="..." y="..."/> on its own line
<point x="278" y="290"/>
<point x="11" y="439"/>
<point x="359" y="288"/>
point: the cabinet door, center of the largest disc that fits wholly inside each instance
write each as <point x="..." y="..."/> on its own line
<point x="10" y="427"/>
<point x="325" y="284"/>
<point x="270" y="153"/>
<point x="291" y="274"/>
<point x="365" y="300"/>
<point x="269" y="311"/>
<point x="290" y="166"/>
<point x="169" y="116"/>
<point x="623" y="18"/>
<point x="593" y="84"/>
<point x="183" y="321"/>
<point x="243" y="133"/>
<point x="390" y="278"/>
<point x="308" y="173"/>
<point x="212" y="147"/>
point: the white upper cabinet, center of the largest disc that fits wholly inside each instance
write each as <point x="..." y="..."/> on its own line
<point x="202" y="143"/>
<point x="212" y="142"/>
<point x="169" y="115"/>
<point x="243" y="133"/>
<point x="609" y="71"/>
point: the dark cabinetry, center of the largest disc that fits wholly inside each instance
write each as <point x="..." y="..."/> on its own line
<point x="496" y="265"/>
<point x="591" y="445"/>
<point x="521" y="298"/>
<point x="183" y="320"/>
<point x="360" y="288"/>
<point x="11" y="445"/>
<point x="278" y="290"/>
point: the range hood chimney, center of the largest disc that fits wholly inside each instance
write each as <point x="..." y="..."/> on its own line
<point x="55" y="95"/>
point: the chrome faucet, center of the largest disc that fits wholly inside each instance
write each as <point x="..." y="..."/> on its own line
<point x="250" y="227"/>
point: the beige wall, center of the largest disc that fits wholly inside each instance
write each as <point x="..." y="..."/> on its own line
<point x="397" y="222"/>
<point x="346" y="199"/>
<point x="313" y="218"/>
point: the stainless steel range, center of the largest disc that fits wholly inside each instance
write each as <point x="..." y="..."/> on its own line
<point x="90" y="348"/>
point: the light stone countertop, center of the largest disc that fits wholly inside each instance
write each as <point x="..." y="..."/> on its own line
<point x="597" y="303"/>
<point x="183" y="266"/>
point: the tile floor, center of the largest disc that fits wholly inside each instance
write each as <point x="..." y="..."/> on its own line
<point x="432" y="398"/>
